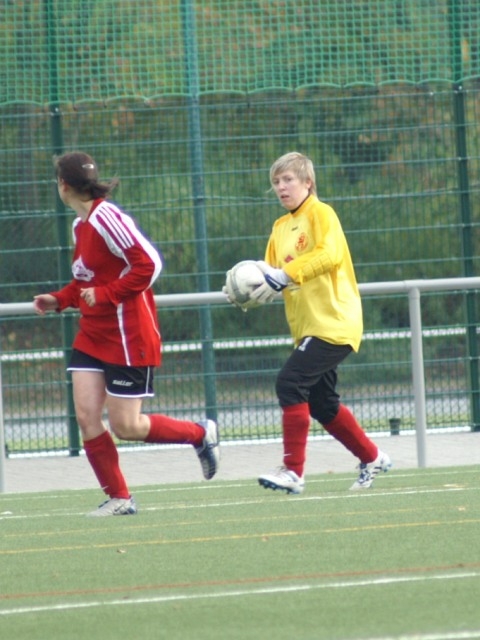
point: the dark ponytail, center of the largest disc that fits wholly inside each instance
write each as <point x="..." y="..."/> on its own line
<point x="80" y="172"/>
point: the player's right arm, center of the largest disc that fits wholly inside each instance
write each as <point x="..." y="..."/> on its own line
<point x="67" y="297"/>
<point x="45" y="302"/>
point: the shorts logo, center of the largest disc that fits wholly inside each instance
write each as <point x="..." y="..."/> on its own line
<point x="122" y="383"/>
<point x="304" y="344"/>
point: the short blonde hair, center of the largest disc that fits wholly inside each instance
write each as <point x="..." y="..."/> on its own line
<point x="299" y="164"/>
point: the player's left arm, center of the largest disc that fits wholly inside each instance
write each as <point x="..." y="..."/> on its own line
<point x="141" y="270"/>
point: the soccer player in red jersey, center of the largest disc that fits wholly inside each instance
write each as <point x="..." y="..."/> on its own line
<point x="118" y="344"/>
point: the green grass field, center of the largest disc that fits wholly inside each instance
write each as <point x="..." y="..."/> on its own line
<point x="228" y="560"/>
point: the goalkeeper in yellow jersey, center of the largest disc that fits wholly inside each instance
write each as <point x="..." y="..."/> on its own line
<point x="307" y="258"/>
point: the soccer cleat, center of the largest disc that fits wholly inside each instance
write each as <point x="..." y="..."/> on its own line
<point x="283" y="479"/>
<point x="370" y="470"/>
<point x="116" y="507"/>
<point x="209" y="451"/>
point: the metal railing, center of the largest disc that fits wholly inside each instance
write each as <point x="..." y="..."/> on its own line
<point x="412" y="288"/>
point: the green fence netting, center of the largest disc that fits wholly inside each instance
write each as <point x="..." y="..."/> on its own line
<point x="77" y="50"/>
<point x="189" y="103"/>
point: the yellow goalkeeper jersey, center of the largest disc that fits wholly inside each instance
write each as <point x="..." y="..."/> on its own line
<point x="323" y="299"/>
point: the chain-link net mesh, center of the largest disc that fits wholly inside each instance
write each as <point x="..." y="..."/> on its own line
<point x="384" y="96"/>
<point x="77" y="50"/>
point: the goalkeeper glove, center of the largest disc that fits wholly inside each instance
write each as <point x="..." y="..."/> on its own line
<point x="275" y="281"/>
<point x="231" y="300"/>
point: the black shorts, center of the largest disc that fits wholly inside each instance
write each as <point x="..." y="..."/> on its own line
<point x="127" y="382"/>
<point x="310" y="375"/>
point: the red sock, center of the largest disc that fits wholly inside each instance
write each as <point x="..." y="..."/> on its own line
<point x="167" y="430"/>
<point x="346" y="430"/>
<point x="296" y="423"/>
<point x="102" y="454"/>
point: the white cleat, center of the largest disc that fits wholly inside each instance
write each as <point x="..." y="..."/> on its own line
<point x="209" y="452"/>
<point x="370" y="470"/>
<point x="116" y="507"/>
<point x="282" y="479"/>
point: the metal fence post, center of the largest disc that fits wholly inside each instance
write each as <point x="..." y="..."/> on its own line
<point x="63" y="226"/>
<point x="198" y="188"/>
<point x="456" y="15"/>
<point x="418" y="374"/>
<point x="2" y="437"/>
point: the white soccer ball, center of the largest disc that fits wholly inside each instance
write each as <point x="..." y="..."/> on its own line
<point x="243" y="278"/>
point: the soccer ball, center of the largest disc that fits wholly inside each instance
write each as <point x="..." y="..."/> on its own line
<point x="243" y="278"/>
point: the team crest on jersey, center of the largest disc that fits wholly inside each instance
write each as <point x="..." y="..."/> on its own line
<point x="80" y="271"/>
<point x="302" y="242"/>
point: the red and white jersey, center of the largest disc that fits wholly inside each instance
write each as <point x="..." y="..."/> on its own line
<point x="114" y="257"/>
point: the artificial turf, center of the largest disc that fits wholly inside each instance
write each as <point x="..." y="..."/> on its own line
<point x="227" y="560"/>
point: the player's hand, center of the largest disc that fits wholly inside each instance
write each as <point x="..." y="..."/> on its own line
<point x="234" y="302"/>
<point x="44" y="302"/>
<point x="276" y="278"/>
<point x="225" y="293"/>
<point x="88" y="295"/>
<point x="275" y="281"/>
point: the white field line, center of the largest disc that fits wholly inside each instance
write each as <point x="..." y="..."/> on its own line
<point x="8" y="515"/>
<point x="248" y="592"/>
<point x="447" y="635"/>
<point x="225" y="484"/>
